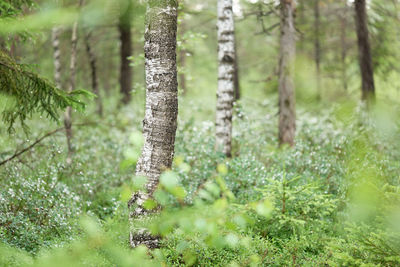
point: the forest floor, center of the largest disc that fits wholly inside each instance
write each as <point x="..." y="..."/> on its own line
<point x="332" y="200"/>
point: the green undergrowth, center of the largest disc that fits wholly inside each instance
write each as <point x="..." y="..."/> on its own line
<point x="332" y="200"/>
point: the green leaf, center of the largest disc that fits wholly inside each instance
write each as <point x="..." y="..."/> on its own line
<point x="222" y="169"/>
<point x="178" y="192"/>
<point x="149" y="204"/>
<point x="232" y="240"/>
<point x="169" y="180"/>
<point x="139" y="182"/>
<point x="264" y="208"/>
<point x="136" y="139"/>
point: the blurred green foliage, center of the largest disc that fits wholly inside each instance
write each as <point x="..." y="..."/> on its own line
<point x="308" y="206"/>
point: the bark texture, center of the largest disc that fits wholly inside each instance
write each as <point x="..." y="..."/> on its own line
<point x="55" y="40"/>
<point x="226" y="74"/>
<point x="317" y="46"/>
<point x="287" y="112"/>
<point x="160" y="122"/>
<point x="364" y="51"/>
<point x="124" y="27"/>
<point x="93" y="73"/>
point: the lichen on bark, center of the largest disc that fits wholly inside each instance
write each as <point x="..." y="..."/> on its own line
<point x="226" y="73"/>
<point x="160" y="121"/>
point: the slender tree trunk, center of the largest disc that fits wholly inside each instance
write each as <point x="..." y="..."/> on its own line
<point x="317" y="46"/>
<point x="287" y="112"/>
<point x="124" y="27"/>
<point x="93" y="71"/>
<point x="160" y="122"/>
<point x="226" y="74"/>
<point x="55" y="39"/>
<point x="109" y="61"/>
<point x="343" y="46"/>
<point x="72" y="78"/>
<point x="364" y="50"/>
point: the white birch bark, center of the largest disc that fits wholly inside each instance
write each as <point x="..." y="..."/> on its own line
<point x="55" y="40"/>
<point x="226" y="73"/>
<point x="287" y="112"/>
<point x="160" y="122"/>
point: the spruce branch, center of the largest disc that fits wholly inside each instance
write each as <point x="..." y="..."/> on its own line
<point x="31" y="94"/>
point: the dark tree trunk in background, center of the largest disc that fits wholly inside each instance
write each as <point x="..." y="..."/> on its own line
<point x="287" y="112"/>
<point x="160" y="122"/>
<point x="124" y="27"/>
<point x="93" y="72"/>
<point x="226" y="77"/>
<point x="364" y="51"/>
<point x="317" y="46"/>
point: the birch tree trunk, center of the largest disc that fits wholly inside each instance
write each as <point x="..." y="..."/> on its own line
<point x="124" y="27"/>
<point x="93" y="72"/>
<point x="160" y="122"/>
<point x="226" y="73"/>
<point x="55" y="40"/>
<point x="287" y="113"/>
<point x="364" y="51"/>
<point x="72" y="75"/>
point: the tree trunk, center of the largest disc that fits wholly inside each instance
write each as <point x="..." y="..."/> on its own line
<point x="160" y="122"/>
<point x="72" y="77"/>
<point x="55" y="39"/>
<point x="124" y="27"/>
<point x="317" y="47"/>
<point x="364" y="51"/>
<point x="226" y="73"/>
<point x="93" y="71"/>
<point x="287" y="113"/>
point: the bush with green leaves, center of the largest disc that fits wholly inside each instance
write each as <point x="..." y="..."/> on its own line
<point x="37" y="211"/>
